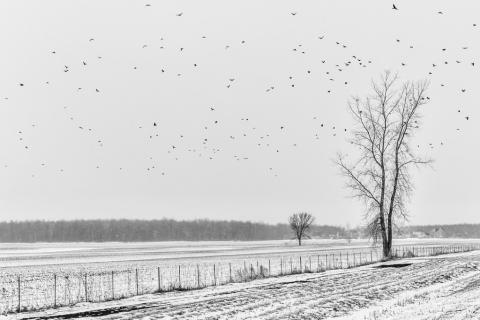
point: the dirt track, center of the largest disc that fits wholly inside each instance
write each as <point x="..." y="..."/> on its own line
<point x="307" y="296"/>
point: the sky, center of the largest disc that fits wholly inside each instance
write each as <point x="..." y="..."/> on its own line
<point x="213" y="109"/>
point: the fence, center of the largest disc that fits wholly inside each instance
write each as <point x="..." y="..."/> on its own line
<point x="40" y="291"/>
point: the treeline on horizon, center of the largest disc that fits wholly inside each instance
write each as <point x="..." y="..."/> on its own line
<point x="196" y="230"/>
<point x="149" y="230"/>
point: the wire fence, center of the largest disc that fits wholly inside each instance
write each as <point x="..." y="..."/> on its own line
<point x="41" y="291"/>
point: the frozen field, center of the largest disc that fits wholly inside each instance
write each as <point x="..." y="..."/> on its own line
<point x="441" y="287"/>
<point x="42" y="276"/>
<point x="76" y="255"/>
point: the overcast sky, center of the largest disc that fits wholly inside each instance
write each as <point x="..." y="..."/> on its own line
<point x="69" y="152"/>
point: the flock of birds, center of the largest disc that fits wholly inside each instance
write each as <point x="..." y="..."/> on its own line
<point x="261" y="138"/>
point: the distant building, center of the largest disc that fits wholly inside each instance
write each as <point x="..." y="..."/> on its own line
<point x="438" y="232"/>
<point x="419" y="234"/>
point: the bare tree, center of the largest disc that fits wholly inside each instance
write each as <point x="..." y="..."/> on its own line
<point x="300" y="224"/>
<point x="385" y="124"/>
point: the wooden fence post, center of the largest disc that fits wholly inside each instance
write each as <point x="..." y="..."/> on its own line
<point x="86" y="291"/>
<point x="159" y="279"/>
<point x="54" y="290"/>
<point x="198" y="276"/>
<point x="136" y="280"/>
<point x="214" y="276"/>
<point x="19" y="296"/>
<point x="179" y="278"/>
<point x="269" y="269"/>
<point x="113" y="288"/>
<point x="230" y="270"/>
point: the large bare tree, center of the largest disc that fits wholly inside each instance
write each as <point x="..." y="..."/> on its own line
<point x="300" y="224"/>
<point x="385" y="125"/>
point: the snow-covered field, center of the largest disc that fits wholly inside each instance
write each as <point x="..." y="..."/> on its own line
<point x="440" y="287"/>
<point x="66" y="274"/>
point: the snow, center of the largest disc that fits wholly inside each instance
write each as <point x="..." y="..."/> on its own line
<point x="437" y="287"/>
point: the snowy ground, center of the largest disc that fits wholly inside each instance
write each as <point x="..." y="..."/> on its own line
<point x="27" y="255"/>
<point x="442" y="287"/>
<point x="46" y="275"/>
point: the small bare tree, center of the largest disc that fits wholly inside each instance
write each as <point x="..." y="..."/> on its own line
<point x="385" y="124"/>
<point x="300" y="224"/>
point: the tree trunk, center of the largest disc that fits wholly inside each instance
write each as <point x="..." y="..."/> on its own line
<point x="386" y="249"/>
<point x="390" y="236"/>
<point x="299" y="241"/>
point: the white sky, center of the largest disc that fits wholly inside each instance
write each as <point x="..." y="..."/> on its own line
<point x="69" y="185"/>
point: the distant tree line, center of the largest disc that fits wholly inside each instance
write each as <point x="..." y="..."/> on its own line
<point x="465" y="230"/>
<point x="150" y="230"/>
<point x="197" y="230"/>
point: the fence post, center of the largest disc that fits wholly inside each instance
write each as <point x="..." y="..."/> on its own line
<point x="179" y="278"/>
<point x="269" y="269"/>
<point x="341" y="261"/>
<point x="159" y="279"/>
<point x="318" y="263"/>
<point x="301" y="270"/>
<point x="19" y="296"/>
<point x="54" y="290"/>
<point x="281" y="266"/>
<point x="113" y="288"/>
<point x="291" y="266"/>
<point x="198" y="276"/>
<point x="214" y="276"/>
<point x="310" y="261"/>
<point x="136" y="279"/>
<point x="326" y="262"/>
<point x="251" y="271"/>
<point x="86" y="292"/>
<point x="230" y="270"/>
